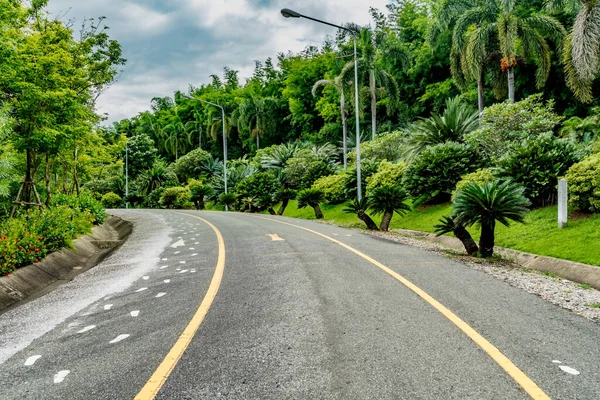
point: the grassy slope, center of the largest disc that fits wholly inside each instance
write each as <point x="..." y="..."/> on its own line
<point x="539" y="235"/>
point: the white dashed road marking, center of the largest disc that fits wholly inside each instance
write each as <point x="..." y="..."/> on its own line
<point x="164" y="266"/>
<point x="141" y="289"/>
<point x="167" y="281"/>
<point x="164" y="259"/>
<point x="195" y="254"/>
<point x="191" y="248"/>
<point x="183" y="271"/>
<point x="61" y="375"/>
<point x="146" y="278"/>
<point x="135" y="313"/>
<point x="161" y="294"/>
<point x="119" y="338"/>
<point x="31" y="360"/>
<point x="177" y="252"/>
<point x="87" y="328"/>
<point x="108" y="306"/>
<point x="556" y="362"/>
<point x="181" y="262"/>
<point x="569" y="370"/>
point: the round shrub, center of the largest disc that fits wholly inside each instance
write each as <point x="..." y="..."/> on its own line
<point x="332" y="187"/>
<point x="436" y="171"/>
<point x="176" y="197"/>
<point x="190" y="165"/>
<point x="387" y="175"/>
<point x="111" y="200"/>
<point x="304" y="168"/>
<point x="480" y="177"/>
<point x="537" y="164"/>
<point x="584" y="184"/>
<point x="261" y="188"/>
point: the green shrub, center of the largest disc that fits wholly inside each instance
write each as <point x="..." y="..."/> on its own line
<point x="387" y="146"/>
<point x="111" y="200"/>
<point x="368" y="168"/>
<point x="175" y="197"/>
<point x="84" y="202"/>
<point x="584" y="184"/>
<point x="436" y="171"/>
<point x="537" y="164"/>
<point x="387" y="174"/>
<point x="227" y="199"/>
<point x="261" y="188"/>
<point x="153" y="199"/>
<point x="480" y="177"/>
<point x="30" y="236"/>
<point x="332" y="187"/>
<point x="199" y="192"/>
<point x="190" y="165"/>
<point x="306" y="166"/>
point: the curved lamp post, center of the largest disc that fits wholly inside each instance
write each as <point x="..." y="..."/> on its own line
<point x="287" y="13"/>
<point x="224" y="139"/>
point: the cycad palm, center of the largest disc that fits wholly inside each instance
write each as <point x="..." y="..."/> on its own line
<point x="488" y="203"/>
<point x="313" y="198"/>
<point x="388" y="200"/>
<point x="154" y="178"/>
<point x="339" y="85"/>
<point x="582" y="49"/>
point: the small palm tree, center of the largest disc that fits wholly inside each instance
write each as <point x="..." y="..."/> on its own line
<point x="360" y="209"/>
<point x="311" y="197"/>
<point x="486" y="204"/>
<point x="228" y="199"/>
<point x="154" y="177"/>
<point x="448" y="224"/>
<point x="284" y="195"/>
<point x="388" y="200"/>
<point x="199" y="194"/>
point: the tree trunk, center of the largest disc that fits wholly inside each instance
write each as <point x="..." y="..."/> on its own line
<point x="318" y="212"/>
<point x="284" y="204"/>
<point x="271" y="211"/>
<point x="201" y="205"/>
<point x="486" y="241"/>
<point x="465" y="237"/>
<point x="511" y="85"/>
<point x="371" y="225"/>
<point x="257" y="141"/>
<point x="344" y="128"/>
<point x="75" y="178"/>
<point x="385" y="221"/>
<point x="373" y="103"/>
<point x="47" y="179"/>
<point x="480" y="94"/>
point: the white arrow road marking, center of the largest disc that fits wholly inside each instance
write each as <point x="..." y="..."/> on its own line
<point x="161" y="294"/>
<point x="108" y="306"/>
<point x="178" y="243"/>
<point x="61" y="375"/>
<point x="275" y="237"/>
<point x="135" y="313"/>
<point x="167" y="281"/>
<point x="119" y="338"/>
<point x="141" y="289"/>
<point x="31" y="360"/>
<point x="569" y="370"/>
<point x="87" y="328"/>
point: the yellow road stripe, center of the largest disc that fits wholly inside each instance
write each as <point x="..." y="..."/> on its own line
<point x="158" y="378"/>
<point x="511" y="369"/>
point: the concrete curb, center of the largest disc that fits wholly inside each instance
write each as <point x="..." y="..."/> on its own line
<point x="573" y="271"/>
<point x="62" y="266"/>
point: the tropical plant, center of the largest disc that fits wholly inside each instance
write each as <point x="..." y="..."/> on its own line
<point x="284" y="195"/>
<point x="199" y="192"/>
<point x="254" y="116"/>
<point x="311" y="197"/>
<point x="177" y="139"/>
<point x="308" y="165"/>
<point x="386" y="146"/>
<point x="278" y="157"/>
<point x="111" y="200"/>
<point x="481" y="176"/>
<point x="191" y="165"/>
<point x="388" y="200"/>
<point x="360" y="207"/>
<point x="367" y="169"/>
<point x="261" y="187"/>
<point x="387" y="174"/>
<point x="228" y="199"/>
<point x="584" y="184"/>
<point x="332" y="187"/>
<point x="154" y="177"/>
<point x="175" y="197"/>
<point x="487" y="204"/>
<point x="457" y="120"/>
<point x="448" y="224"/>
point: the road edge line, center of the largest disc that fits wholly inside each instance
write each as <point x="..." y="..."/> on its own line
<point x="160" y="375"/>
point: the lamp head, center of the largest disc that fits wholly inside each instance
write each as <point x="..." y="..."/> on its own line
<point x="286" y="12"/>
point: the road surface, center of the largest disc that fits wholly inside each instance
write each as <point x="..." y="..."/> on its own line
<point x="205" y="305"/>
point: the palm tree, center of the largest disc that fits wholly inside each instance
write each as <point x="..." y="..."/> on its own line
<point x="360" y="209"/>
<point x="228" y="199"/>
<point x="311" y="197"/>
<point x="176" y="135"/>
<point x="195" y="126"/>
<point x="284" y="195"/>
<point x="457" y="120"/>
<point x="199" y="193"/>
<point x="374" y="48"/>
<point x="279" y="156"/>
<point x="253" y="115"/>
<point x="488" y="203"/>
<point x="338" y="83"/>
<point x="388" y="200"/>
<point x="448" y="224"/>
<point x="582" y="49"/>
<point x="154" y="177"/>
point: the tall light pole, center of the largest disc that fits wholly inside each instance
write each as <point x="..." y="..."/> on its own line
<point x="127" y="174"/>
<point x="224" y="139"/>
<point x="287" y="13"/>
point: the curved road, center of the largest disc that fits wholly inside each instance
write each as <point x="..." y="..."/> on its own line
<point x="203" y="305"/>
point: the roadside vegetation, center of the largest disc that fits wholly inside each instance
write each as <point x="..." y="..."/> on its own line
<point x="469" y="115"/>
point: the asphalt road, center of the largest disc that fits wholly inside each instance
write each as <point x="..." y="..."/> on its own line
<point x="314" y="313"/>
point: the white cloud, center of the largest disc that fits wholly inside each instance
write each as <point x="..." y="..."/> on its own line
<point x="138" y="19"/>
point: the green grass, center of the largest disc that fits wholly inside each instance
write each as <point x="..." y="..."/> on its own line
<point x="539" y="235"/>
<point x="595" y="305"/>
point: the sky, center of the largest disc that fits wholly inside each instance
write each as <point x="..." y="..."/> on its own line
<point x="170" y="44"/>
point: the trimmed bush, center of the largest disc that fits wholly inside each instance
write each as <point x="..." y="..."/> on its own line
<point x="435" y="172"/>
<point x="111" y="200"/>
<point x="387" y="175"/>
<point x="537" y="164"/>
<point x="259" y="190"/>
<point x="584" y="184"/>
<point x="176" y="197"/>
<point x="332" y="187"/>
<point x="481" y="176"/>
<point x="85" y="202"/>
<point x="306" y="166"/>
<point x="199" y="192"/>
<point x="190" y="165"/>
<point x="387" y="146"/>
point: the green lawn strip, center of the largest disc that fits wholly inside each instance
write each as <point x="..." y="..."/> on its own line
<point x="539" y="235"/>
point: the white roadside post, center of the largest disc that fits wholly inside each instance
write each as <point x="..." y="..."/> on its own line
<point x="562" y="203"/>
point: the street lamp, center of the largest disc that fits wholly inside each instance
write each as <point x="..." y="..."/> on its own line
<point x="224" y="140"/>
<point x="287" y="13"/>
<point x="127" y="174"/>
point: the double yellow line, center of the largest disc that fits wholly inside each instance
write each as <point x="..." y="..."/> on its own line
<point x="159" y="377"/>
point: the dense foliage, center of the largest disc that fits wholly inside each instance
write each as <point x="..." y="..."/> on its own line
<point x="583" y="179"/>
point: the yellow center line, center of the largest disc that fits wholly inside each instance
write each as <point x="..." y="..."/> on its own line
<point x="511" y="369"/>
<point x="158" y="378"/>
